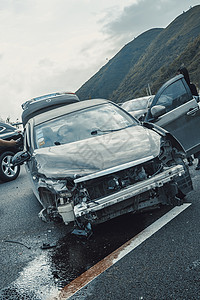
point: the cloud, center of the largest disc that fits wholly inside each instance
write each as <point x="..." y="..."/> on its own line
<point x="144" y="15"/>
<point x="53" y="45"/>
<point x="46" y="63"/>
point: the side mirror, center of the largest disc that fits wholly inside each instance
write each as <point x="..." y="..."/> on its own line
<point x="157" y="111"/>
<point x="20" y="157"/>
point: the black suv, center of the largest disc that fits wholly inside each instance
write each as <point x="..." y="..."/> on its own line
<point x="7" y="171"/>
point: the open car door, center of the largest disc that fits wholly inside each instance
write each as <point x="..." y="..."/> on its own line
<point x="176" y="110"/>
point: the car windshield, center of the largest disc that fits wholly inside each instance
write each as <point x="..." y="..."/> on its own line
<point x="82" y="124"/>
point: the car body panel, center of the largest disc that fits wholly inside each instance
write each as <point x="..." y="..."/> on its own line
<point x="182" y="117"/>
<point x="7" y="132"/>
<point x="98" y="153"/>
<point x="182" y="123"/>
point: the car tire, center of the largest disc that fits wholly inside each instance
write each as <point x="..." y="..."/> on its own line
<point x="7" y="171"/>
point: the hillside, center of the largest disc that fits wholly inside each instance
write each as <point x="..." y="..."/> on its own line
<point x="128" y="74"/>
<point x="109" y="77"/>
<point x="190" y="57"/>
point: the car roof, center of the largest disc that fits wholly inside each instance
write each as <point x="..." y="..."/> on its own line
<point x="56" y="95"/>
<point x="66" y="109"/>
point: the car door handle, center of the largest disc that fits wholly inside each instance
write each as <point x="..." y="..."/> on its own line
<point x="192" y="111"/>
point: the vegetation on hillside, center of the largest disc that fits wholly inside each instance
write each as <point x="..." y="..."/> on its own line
<point x="162" y="52"/>
<point x="109" y="77"/>
<point x="152" y="58"/>
<point x="190" y="58"/>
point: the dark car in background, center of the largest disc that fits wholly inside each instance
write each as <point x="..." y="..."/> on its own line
<point x="9" y="172"/>
<point x="91" y="161"/>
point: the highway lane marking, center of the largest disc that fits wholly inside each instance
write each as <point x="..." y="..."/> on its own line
<point x="92" y="273"/>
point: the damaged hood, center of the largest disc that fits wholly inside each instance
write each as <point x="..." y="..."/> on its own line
<point x="97" y="153"/>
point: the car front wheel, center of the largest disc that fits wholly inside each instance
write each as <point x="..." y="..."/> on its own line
<point x="7" y="171"/>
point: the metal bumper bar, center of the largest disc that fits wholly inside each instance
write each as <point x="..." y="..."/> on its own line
<point x="131" y="191"/>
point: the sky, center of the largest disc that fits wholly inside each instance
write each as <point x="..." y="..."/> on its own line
<point x="57" y="45"/>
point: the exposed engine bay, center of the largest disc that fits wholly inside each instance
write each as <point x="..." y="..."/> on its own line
<point x="127" y="188"/>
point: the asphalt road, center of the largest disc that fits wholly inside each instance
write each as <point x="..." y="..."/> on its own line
<point x="166" y="266"/>
<point x="20" y="224"/>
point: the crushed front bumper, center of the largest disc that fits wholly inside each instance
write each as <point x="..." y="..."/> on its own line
<point x="154" y="182"/>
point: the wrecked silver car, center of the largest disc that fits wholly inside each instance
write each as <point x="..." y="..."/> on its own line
<point x="91" y="161"/>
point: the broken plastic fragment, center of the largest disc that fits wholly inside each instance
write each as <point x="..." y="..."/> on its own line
<point x="87" y="231"/>
<point x="42" y="216"/>
<point x="48" y="246"/>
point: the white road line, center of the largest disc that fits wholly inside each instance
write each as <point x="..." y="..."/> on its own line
<point x="149" y="231"/>
<point x="118" y="254"/>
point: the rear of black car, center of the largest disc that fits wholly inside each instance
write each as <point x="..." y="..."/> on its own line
<point x="8" y="132"/>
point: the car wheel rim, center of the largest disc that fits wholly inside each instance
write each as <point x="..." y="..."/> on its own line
<point x="8" y="169"/>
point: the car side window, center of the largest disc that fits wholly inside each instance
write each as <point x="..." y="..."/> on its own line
<point x="173" y="96"/>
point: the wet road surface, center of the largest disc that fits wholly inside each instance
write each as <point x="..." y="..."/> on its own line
<point x="41" y="273"/>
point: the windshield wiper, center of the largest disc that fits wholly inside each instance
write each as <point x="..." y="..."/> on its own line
<point x="94" y="132"/>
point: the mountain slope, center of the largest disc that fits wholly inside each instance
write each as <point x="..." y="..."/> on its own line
<point x="190" y="57"/>
<point x="171" y="42"/>
<point x="109" y="77"/>
<point x="128" y="74"/>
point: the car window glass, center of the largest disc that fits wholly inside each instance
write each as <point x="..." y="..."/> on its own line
<point x="2" y="128"/>
<point x="6" y="129"/>
<point x="133" y="105"/>
<point x="10" y="127"/>
<point x="138" y="104"/>
<point x="173" y="96"/>
<point x="79" y="125"/>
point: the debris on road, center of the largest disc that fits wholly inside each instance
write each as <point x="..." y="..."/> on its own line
<point x="48" y="246"/>
<point x="16" y="242"/>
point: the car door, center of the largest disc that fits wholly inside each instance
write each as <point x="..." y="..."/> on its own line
<point x="176" y="110"/>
